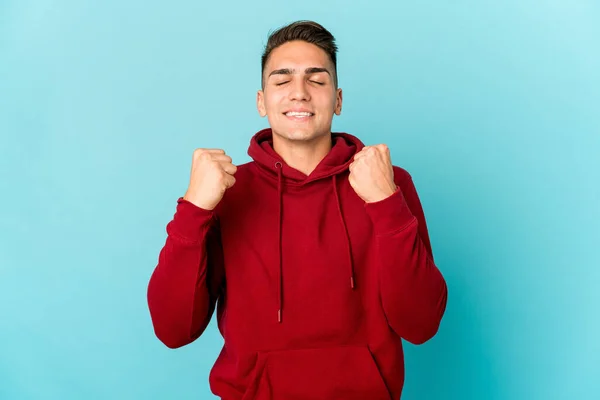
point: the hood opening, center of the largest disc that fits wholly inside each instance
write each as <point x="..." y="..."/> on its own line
<point x="343" y="148"/>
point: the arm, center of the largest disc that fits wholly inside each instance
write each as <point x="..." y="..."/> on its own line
<point x="185" y="285"/>
<point x="413" y="291"/>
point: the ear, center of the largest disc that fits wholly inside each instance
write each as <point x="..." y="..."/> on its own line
<point x="338" y="102"/>
<point x="260" y="103"/>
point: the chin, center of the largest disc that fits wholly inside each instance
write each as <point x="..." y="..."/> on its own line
<point x="299" y="135"/>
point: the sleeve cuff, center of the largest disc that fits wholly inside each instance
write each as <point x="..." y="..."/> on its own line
<point x="390" y="214"/>
<point x="190" y="221"/>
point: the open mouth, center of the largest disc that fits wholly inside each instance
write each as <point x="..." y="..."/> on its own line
<point x="298" y="115"/>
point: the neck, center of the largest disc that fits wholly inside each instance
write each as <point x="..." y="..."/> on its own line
<point x="303" y="156"/>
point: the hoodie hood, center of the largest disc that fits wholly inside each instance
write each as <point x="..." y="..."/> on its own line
<point x="339" y="158"/>
<point x="344" y="147"/>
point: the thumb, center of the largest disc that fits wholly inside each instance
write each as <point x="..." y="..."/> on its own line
<point x="229" y="181"/>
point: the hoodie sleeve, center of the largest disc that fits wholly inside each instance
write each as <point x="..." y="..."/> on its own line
<point x="185" y="285"/>
<point x="413" y="290"/>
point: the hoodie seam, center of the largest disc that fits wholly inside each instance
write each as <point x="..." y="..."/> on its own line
<point x="404" y="227"/>
<point x="186" y="241"/>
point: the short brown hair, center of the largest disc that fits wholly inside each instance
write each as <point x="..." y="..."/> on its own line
<point x="308" y="31"/>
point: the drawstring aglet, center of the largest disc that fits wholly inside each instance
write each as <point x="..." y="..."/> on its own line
<point x="351" y="282"/>
<point x="279" y="315"/>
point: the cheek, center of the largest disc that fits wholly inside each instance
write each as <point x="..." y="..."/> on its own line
<point x="325" y="101"/>
<point x="273" y="100"/>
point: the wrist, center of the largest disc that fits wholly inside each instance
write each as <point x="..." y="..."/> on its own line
<point x="198" y="201"/>
<point x="384" y="195"/>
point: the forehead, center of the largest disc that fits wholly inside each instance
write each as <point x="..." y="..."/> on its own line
<point x="297" y="54"/>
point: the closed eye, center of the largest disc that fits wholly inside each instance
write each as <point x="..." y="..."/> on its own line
<point x="281" y="83"/>
<point x="318" y="83"/>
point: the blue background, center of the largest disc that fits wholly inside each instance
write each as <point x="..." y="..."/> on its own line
<point x="493" y="107"/>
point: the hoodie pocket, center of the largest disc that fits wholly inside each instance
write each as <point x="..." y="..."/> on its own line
<point x="347" y="372"/>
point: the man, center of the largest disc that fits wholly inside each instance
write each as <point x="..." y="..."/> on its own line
<point x="317" y="252"/>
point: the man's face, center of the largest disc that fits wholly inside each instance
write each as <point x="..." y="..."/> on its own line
<point x="299" y="96"/>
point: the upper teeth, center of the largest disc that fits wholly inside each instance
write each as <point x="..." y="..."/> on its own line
<point x="298" y="114"/>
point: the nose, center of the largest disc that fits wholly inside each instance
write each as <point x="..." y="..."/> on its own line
<point x="299" y="91"/>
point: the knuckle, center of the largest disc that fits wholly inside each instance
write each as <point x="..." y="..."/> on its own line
<point x="201" y="154"/>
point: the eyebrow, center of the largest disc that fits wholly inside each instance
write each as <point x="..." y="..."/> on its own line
<point x="307" y="71"/>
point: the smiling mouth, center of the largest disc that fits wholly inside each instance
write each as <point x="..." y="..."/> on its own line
<point x="298" y="114"/>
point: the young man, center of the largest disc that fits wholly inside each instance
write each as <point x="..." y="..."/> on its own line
<point x="316" y="254"/>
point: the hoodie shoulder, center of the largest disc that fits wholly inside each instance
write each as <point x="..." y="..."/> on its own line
<point x="401" y="176"/>
<point x="246" y="174"/>
<point x="245" y="170"/>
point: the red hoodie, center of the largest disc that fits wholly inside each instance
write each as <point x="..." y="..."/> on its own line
<point x="314" y="288"/>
